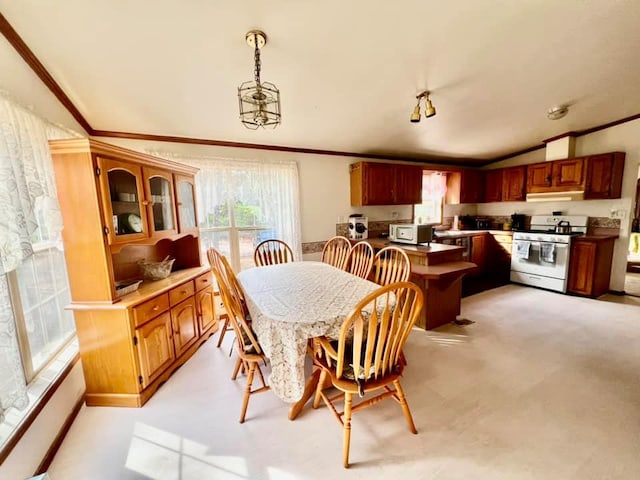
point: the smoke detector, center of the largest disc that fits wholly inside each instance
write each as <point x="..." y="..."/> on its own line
<point x="557" y="112"/>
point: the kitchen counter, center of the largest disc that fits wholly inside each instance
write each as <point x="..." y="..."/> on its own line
<point x="422" y="254"/>
<point x="438" y="270"/>
<point x="468" y="233"/>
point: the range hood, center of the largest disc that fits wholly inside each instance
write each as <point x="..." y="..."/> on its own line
<point x="556" y="196"/>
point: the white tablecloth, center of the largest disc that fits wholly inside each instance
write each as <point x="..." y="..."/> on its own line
<point x="291" y="303"/>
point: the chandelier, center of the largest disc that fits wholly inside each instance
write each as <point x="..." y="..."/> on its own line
<point x="259" y="101"/>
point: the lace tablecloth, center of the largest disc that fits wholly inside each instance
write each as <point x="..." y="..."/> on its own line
<point x="291" y="303"/>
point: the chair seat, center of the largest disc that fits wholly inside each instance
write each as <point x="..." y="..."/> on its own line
<point x="366" y="385"/>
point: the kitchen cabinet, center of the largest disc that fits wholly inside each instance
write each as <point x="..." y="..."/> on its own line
<point x="514" y="182"/>
<point x="131" y="344"/>
<point x="385" y="184"/>
<point x="590" y="265"/>
<point x="465" y="186"/>
<point x="604" y="176"/>
<point x="479" y="253"/>
<point x="493" y="185"/>
<point x="555" y="176"/>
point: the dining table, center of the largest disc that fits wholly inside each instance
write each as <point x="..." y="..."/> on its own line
<point x="290" y="304"/>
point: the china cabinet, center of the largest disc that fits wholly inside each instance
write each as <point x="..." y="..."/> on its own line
<point x="120" y="207"/>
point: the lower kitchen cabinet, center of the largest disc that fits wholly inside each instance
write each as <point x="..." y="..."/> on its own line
<point x="131" y="347"/>
<point x="590" y="265"/>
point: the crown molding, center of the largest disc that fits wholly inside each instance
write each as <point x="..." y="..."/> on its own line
<point x="38" y="68"/>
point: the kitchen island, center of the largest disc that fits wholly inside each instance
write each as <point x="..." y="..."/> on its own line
<point x="438" y="269"/>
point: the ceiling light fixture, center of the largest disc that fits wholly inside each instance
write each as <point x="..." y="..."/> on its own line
<point x="429" y="109"/>
<point x="259" y="101"/>
<point x="557" y="112"/>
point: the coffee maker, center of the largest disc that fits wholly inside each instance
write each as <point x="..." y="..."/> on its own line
<point x="518" y="221"/>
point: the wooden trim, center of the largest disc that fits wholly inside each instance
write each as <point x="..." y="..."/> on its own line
<point x="619" y="293"/>
<point x="33" y="414"/>
<point x="609" y="125"/>
<point x="562" y="135"/>
<point x="515" y="154"/>
<point x="39" y="69"/>
<point x="62" y="433"/>
<point x="280" y="148"/>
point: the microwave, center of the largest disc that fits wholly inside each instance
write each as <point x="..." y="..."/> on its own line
<point x="411" y="233"/>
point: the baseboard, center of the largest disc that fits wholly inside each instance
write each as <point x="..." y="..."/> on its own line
<point x="617" y="292"/>
<point x="55" y="445"/>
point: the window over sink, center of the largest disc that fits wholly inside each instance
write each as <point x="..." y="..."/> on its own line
<point x="434" y="186"/>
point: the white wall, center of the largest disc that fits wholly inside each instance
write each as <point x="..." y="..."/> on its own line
<point x="34" y="444"/>
<point x="622" y="138"/>
<point x="26" y="88"/>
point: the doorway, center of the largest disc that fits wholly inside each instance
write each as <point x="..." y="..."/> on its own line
<point x="632" y="277"/>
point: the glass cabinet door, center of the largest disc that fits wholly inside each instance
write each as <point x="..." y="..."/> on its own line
<point x="159" y="201"/>
<point x="185" y="191"/>
<point x="122" y="196"/>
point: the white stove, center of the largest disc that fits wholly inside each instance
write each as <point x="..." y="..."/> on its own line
<point x="540" y="256"/>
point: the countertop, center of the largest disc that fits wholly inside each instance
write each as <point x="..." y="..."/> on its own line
<point x="468" y="233"/>
<point x="424" y="249"/>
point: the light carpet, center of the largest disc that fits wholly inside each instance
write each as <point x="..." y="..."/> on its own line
<point x="541" y="386"/>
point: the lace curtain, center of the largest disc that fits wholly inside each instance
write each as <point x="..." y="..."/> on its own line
<point x="272" y="186"/>
<point x="27" y="193"/>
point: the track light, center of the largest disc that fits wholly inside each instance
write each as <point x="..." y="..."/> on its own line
<point x="429" y="109"/>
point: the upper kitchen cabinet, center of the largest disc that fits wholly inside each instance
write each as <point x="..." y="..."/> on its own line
<point x="514" y="182"/>
<point x="493" y="180"/>
<point x="604" y="175"/>
<point x="385" y="184"/>
<point x="555" y="176"/>
<point x="465" y="186"/>
<point x="599" y="176"/>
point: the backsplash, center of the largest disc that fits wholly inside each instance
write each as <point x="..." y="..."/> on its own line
<point x="376" y="227"/>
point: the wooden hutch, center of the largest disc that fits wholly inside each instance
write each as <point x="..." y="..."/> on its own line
<point x="120" y="207"/>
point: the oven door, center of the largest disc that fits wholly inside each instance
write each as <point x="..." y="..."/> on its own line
<point x="535" y="263"/>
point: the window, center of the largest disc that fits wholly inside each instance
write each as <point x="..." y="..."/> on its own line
<point x="39" y="292"/>
<point x="34" y="326"/>
<point x="243" y="202"/>
<point x="434" y="186"/>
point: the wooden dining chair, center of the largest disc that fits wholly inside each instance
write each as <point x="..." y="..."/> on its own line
<point x="336" y="251"/>
<point x="390" y="265"/>
<point x="368" y="354"/>
<point x="216" y="260"/>
<point x="250" y="354"/>
<point x="360" y="260"/>
<point x="272" y="252"/>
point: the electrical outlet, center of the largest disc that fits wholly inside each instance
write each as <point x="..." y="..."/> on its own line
<point x="394" y="215"/>
<point x="618" y="213"/>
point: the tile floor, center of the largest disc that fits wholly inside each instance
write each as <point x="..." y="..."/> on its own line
<point x="541" y="386"/>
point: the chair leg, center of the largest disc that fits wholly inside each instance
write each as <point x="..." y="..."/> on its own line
<point x="318" y="397"/>
<point x="247" y="391"/>
<point x="346" y="442"/>
<point x="236" y="370"/>
<point x="405" y="406"/>
<point x="223" y="330"/>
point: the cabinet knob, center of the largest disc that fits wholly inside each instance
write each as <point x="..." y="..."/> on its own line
<point x="155" y="308"/>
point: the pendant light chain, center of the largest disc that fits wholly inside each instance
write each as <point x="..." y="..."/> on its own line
<point x="256" y="59"/>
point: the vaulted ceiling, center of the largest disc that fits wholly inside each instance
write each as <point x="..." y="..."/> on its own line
<point x="348" y="71"/>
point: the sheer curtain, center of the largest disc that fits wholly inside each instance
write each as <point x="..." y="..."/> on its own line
<point x="269" y="191"/>
<point x="27" y="192"/>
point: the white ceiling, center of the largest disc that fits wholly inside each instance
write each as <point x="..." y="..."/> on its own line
<point x="348" y="71"/>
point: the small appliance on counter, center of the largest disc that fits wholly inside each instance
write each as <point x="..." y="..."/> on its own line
<point x="411" y="233"/>
<point x="483" y="223"/>
<point x="358" y="227"/>
<point x="518" y="221"/>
